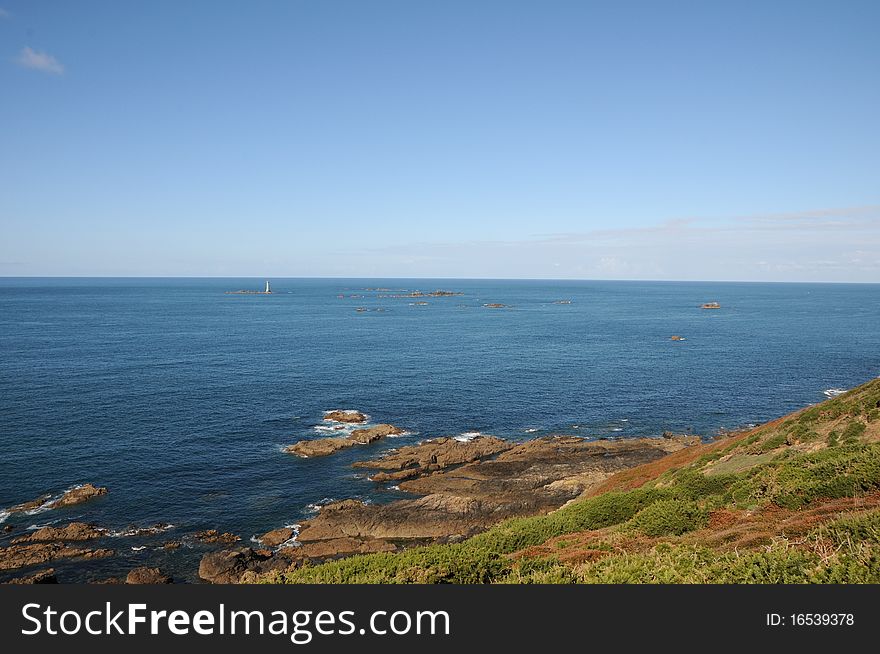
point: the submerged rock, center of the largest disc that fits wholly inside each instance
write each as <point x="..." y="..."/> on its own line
<point x="228" y="566"/>
<point x="213" y="536"/>
<point x="325" y="446"/>
<point x="145" y="575"/>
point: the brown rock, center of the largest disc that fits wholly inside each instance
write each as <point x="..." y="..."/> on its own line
<point x="345" y="546"/>
<point x="372" y="434"/>
<point x="31" y="505"/>
<point x="213" y="536"/>
<point x="495" y="305"/>
<point x="275" y="537"/>
<point x="355" y="417"/>
<point x="78" y="495"/>
<point x="40" y="577"/>
<point x="228" y="566"/>
<point x="75" y="531"/>
<point x="18" y="556"/>
<point x="433" y="455"/>
<point x="172" y="545"/>
<point x="526" y="479"/>
<point x="325" y="446"/>
<point x="147" y="576"/>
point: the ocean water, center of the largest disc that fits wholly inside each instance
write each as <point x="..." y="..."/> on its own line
<point x="179" y="398"/>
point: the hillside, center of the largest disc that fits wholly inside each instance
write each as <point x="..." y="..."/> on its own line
<point x="796" y="500"/>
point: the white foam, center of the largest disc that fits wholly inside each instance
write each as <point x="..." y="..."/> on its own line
<point x="3" y="516"/>
<point x="531" y="430"/>
<point x="834" y="392"/>
<point x="467" y="436"/>
<point x="617" y="429"/>
<point x="139" y="531"/>
<point x="291" y="542"/>
<point x="139" y="548"/>
<point x="394" y="488"/>
<point x="316" y="506"/>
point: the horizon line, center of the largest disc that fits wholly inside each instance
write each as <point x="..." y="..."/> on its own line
<point x="496" y="279"/>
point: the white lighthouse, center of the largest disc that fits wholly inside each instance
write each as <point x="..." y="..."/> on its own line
<point x="268" y="290"/>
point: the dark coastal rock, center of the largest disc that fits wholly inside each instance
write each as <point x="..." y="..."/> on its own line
<point x="30" y="505"/>
<point x="147" y="576"/>
<point x="433" y="455"/>
<point x="228" y="566"/>
<point x="75" y="531"/>
<point x="350" y="417"/>
<point x="495" y="305"/>
<point x="275" y="537"/>
<point x="325" y="446"/>
<point x="25" y="554"/>
<point x="527" y="479"/>
<point x="213" y="536"/>
<point x="46" y="576"/>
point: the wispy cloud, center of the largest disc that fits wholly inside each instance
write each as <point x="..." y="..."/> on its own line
<point x="4" y="14"/>
<point x="822" y="245"/>
<point x="37" y="60"/>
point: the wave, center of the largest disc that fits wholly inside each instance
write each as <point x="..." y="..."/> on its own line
<point x="292" y="541"/>
<point x="316" y="506"/>
<point x="3" y="516"/>
<point x="139" y="531"/>
<point x="834" y="392"/>
<point x="531" y="430"/>
<point x="467" y="436"/>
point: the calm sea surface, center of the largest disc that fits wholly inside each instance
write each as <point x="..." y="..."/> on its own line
<point x="179" y="398"/>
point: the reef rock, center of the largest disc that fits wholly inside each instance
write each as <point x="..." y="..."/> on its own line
<point x="351" y="417"/>
<point x="325" y="446"/>
<point x="75" y="531"/>
<point x="213" y="536"/>
<point x="21" y="555"/>
<point x="78" y="495"/>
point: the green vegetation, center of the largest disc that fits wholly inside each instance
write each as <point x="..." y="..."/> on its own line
<point x="821" y="454"/>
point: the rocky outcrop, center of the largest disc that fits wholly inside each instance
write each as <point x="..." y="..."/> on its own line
<point x="526" y="479"/>
<point x="495" y="305"/>
<point x="228" y="566"/>
<point x="46" y="576"/>
<point x="70" y="497"/>
<point x="25" y="554"/>
<point x="212" y="536"/>
<point x="325" y="446"/>
<point x="75" y="531"/>
<point x="147" y="576"/>
<point x="275" y="537"/>
<point x="349" y="417"/>
<point x="78" y="495"/>
<point x="433" y="455"/>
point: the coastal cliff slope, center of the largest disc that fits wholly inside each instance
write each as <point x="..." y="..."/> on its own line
<point x="796" y="500"/>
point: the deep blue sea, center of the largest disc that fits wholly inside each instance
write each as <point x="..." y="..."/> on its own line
<point x="179" y="398"/>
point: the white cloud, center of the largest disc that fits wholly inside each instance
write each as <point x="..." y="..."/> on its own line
<point x="4" y="13"/>
<point x="36" y="60"/>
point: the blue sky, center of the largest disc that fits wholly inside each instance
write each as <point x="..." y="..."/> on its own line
<point x="551" y="139"/>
